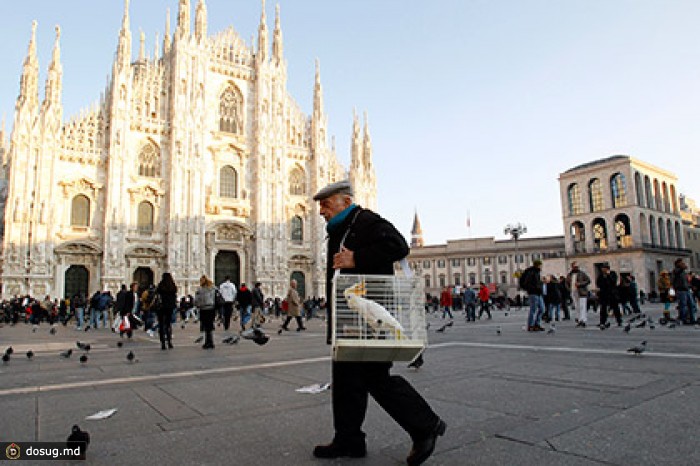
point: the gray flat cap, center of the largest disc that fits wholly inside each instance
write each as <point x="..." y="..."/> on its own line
<point x="340" y="187"/>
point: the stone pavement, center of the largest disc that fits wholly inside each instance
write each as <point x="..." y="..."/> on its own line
<point x="575" y="397"/>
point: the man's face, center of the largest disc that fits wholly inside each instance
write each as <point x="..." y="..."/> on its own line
<point x="332" y="206"/>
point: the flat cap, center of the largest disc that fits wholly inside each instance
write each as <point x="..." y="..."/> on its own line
<point x="339" y="187"/>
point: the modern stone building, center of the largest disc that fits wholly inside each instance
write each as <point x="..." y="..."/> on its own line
<point x="624" y="212"/>
<point x="195" y="160"/>
<point x="471" y="261"/>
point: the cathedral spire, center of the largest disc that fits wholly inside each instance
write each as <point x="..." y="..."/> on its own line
<point x="262" y="35"/>
<point x="200" y="21"/>
<point x="416" y="233"/>
<point x="142" y="46"/>
<point x="318" y="92"/>
<point x="355" y="144"/>
<point x="156" y="48"/>
<point x="55" y="74"/>
<point x="367" y="145"/>
<point x="166" y="37"/>
<point x="28" y="84"/>
<point x="183" y="20"/>
<point x="124" y="47"/>
<point x="277" y="47"/>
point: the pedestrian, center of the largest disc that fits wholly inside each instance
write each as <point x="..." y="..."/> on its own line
<point x="228" y="292"/>
<point x="362" y="242"/>
<point x="554" y="298"/>
<point x="634" y="293"/>
<point x="164" y="303"/>
<point x="565" y="294"/>
<point x="245" y="303"/>
<point x="470" y="303"/>
<point x="294" y="308"/>
<point x="578" y="282"/>
<point x="664" y="287"/>
<point x="484" y="296"/>
<point x="258" y="303"/>
<point x="205" y="301"/>
<point x="681" y="285"/>
<point x="446" y="301"/>
<point x="608" y="297"/>
<point x="531" y="282"/>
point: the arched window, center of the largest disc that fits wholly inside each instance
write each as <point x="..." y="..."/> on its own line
<point x="228" y="182"/>
<point x="639" y="189"/>
<point x="578" y="237"/>
<point x="472" y="279"/>
<point x="679" y="236"/>
<point x="618" y="189"/>
<point x="595" y="195"/>
<point x="297" y="187"/>
<point x="487" y="276"/>
<point x="457" y="279"/>
<point x="600" y="235"/>
<point x="145" y="217"/>
<point x="662" y="233"/>
<point x="622" y="231"/>
<point x="667" y="204"/>
<point x="149" y="160"/>
<point x="669" y="232"/>
<point x="647" y="192"/>
<point x="674" y="203"/>
<point x="427" y="281"/>
<point x="652" y="230"/>
<point x="230" y="110"/>
<point x="80" y="211"/>
<point x="574" y="195"/>
<point x="657" y="196"/>
<point x="297" y="229"/>
<point x="644" y="228"/>
<point x="442" y="281"/>
<point x="504" y="278"/>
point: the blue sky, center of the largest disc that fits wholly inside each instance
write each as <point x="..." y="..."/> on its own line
<point x="474" y="105"/>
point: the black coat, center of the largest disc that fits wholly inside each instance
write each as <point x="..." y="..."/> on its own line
<point x="376" y="245"/>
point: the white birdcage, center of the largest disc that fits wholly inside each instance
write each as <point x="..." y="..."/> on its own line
<point x="378" y="318"/>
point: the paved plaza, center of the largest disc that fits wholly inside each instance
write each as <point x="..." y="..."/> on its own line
<point x="574" y="397"/>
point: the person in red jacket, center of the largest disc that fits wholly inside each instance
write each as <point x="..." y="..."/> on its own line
<point x="446" y="301"/>
<point x="484" y="296"/>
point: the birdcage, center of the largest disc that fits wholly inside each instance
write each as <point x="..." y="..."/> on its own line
<point x="378" y="318"/>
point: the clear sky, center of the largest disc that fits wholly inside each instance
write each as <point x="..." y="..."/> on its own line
<point x="474" y="105"/>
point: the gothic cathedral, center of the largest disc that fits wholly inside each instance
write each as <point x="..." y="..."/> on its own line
<point x="195" y="160"/>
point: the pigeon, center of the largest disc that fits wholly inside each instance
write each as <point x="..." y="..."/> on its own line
<point x="81" y="436"/>
<point x="130" y="356"/>
<point x="66" y="354"/>
<point x="9" y="351"/>
<point x="417" y="363"/>
<point x="5" y="358"/>
<point x="498" y="330"/>
<point x="34" y="329"/>
<point x="53" y="331"/>
<point x="672" y="325"/>
<point x="449" y="324"/>
<point x="120" y="344"/>
<point x="182" y="326"/>
<point x="81" y="345"/>
<point x="441" y="329"/>
<point x="83" y="358"/>
<point x="639" y="349"/>
<point x="199" y="340"/>
<point x="87" y="327"/>
<point x="551" y="330"/>
<point x="232" y="340"/>
<point x="627" y="328"/>
<point x="506" y="314"/>
<point x="642" y="324"/>
<point x="30" y="354"/>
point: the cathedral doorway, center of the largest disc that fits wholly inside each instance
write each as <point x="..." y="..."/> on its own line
<point x="227" y="263"/>
<point x="301" y="283"/>
<point x="144" y="277"/>
<point x="77" y="279"/>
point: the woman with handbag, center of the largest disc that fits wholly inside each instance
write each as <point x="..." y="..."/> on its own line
<point x="163" y="303"/>
<point x="664" y="286"/>
<point x="205" y="301"/>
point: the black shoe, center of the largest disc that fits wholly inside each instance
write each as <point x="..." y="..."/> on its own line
<point x="170" y="345"/>
<point x="162" y="346"/>
<point x="335" y="450"/>
<point x="422" y="449"/>
<point x="299" y="329"/>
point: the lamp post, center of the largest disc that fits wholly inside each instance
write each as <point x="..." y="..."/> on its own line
<point x="515" y="231"/>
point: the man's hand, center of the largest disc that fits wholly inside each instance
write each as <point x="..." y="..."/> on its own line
<point x="345" y="259"/>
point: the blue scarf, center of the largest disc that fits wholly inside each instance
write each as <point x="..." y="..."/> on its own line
<point x="336" y="221"/>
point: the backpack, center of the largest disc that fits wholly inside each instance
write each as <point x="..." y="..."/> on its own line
<point x="527" y="279"/>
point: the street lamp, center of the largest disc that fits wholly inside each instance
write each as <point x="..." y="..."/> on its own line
<point x="515" y="231"/>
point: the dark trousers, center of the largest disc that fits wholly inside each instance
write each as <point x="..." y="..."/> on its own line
<point x="165" y="327"/>
<point x="353" y="381"/>
<point x="484" y="308"/>
<point x="605" y="305"/>
<point x="300" y="323"/>
<point x="228" y="312"/>
<point x="471" y="311"/>
<point x="206" y="316"/>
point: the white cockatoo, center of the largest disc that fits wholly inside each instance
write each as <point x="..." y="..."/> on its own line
<point x="375" y="314"/>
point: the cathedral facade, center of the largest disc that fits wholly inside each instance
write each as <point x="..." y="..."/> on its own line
<point x="194" y="160"/>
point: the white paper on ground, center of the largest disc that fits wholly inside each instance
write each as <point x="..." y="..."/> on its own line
<point x="101" y="414"/>
<point x="315" y="388"/>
